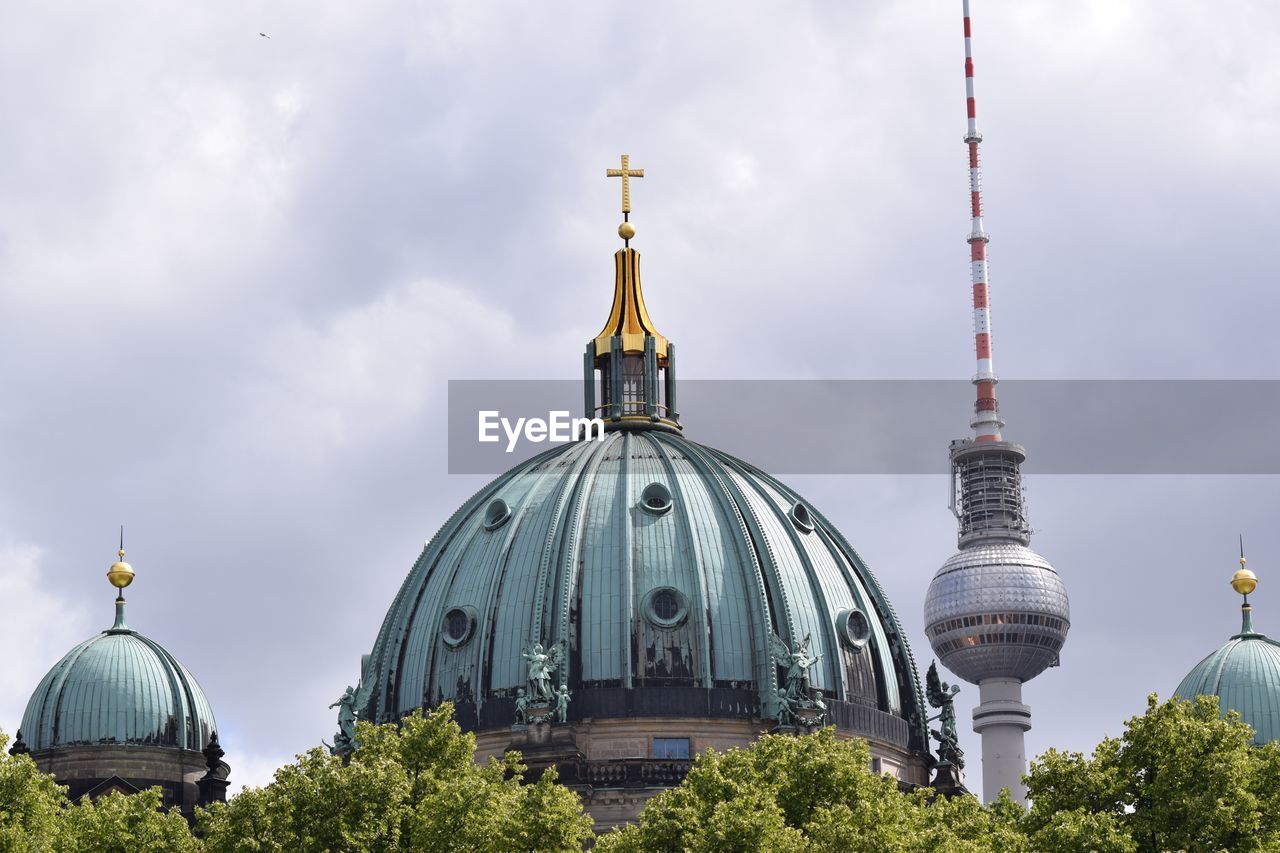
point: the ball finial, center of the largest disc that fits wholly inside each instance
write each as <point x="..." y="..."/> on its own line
<point x="626" y="231"/>
<point x="1243" y="581"/>
<point x="121" y="573"/>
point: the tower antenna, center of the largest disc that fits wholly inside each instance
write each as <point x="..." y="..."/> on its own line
<point x="986" y="410"/>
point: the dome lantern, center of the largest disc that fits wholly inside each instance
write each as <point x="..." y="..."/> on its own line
<point x="629" y="367"/>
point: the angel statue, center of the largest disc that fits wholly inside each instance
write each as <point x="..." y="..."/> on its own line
<point x="522" y="707"/>
<point x="348" y="705"/>
<point x="542" y="662"/>
<point x="798" y="664"/>
<point x="942" y="695"/>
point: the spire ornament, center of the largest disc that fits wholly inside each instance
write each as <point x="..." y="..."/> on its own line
<point x="1244" y="581"/>
<point x="626" y="230"/>
<point x="629" y="367"/>
<point x="120" y="575"/>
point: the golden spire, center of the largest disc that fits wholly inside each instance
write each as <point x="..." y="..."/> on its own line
<point x="626" y="230"/>
<point x="1244" y="581"/>
<point x="121" y="573"/>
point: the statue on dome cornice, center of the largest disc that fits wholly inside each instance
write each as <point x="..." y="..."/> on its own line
<point x="943" y="696"/>
<point x="798" y="704"/>
<point x="798" y="663"/>
<point x="350" y="706"/>
<point x="542" y="663"/>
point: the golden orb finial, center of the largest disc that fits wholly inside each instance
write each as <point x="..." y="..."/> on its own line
<point x="121" y="573"/>
<point x="626" y="231"/>
<point x="1243" y="581"/>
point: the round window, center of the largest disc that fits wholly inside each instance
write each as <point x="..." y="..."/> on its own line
<point x="459" y="622"/>
<point x="656" y="499"/>
<point x="496" y="514"/>
<point x="801" y="517"/>
<point x="854" y="628"/>
<point x="666" y="607"/>
<point x="665" y="604"/>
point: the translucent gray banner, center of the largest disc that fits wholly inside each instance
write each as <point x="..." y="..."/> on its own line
<point x="905" y="426"/>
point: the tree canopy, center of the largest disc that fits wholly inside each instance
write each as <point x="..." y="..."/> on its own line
<point x="815" y="792"/>
<point x="1180" y="777"/>
<point x="410" y="786"/>
<point x="35" y="816"/>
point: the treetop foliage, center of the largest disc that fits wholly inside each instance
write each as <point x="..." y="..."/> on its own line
<point x="1180" y="777"/>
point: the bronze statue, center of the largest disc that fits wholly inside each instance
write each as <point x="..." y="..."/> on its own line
<point x="522" y="707"/>
<point x="562" y="704"/>
<point x="542" y="662"/>
<point x="942" y="695"/>
<point x="798" y="663"/>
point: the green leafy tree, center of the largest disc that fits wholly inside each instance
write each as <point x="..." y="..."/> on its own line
<point x="410" y="786"/>
<point x="119" y="823"/>
<point x="1182" y="777"/>
<point x="30" y="803"/>
<point x="816" y="792"/>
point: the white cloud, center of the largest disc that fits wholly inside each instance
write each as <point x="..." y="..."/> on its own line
<point x="39" y="626"/>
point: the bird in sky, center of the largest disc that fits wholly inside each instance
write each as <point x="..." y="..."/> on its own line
<point x="264" y="35"/>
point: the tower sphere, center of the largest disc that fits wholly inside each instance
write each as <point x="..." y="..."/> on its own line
<point x="997" y="610"/>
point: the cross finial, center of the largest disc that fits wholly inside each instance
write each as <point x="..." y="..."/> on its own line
<point x="626" y="173"/>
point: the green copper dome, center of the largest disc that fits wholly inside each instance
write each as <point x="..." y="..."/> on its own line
<point x="118" y="687"/>
<point x="665" y="567"/>
<point x="1245" y="676"/>
<point x="635" y="583"/>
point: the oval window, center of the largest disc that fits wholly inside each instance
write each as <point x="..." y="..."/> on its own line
<point x="666" y="607"/>
<point x="459" y="622"/>
<point x="854" y="628"/>
<point x="496" y="514"/>
<point x="801" y="517"/>
<point x="656" y="499"/>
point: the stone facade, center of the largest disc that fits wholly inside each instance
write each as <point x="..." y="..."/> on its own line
<point x="614" y="766"/>
<point x="83" y="768"/>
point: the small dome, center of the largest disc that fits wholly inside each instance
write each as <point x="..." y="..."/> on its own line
<point x="1245" y="676"/>
<point x="118" y="687"/>
<point x="997" y="610"/>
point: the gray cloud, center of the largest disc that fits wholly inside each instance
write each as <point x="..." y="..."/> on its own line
<point x="237" y="273"/>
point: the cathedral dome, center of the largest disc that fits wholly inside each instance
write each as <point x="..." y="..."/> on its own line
<point x="119" y="713"/>
<point x="1245" y="676"/>
<point x="665" y="567"/>
<point x="620" y="603"/>
<point x="1244" y="673"/>
<point x="118" y="687"/>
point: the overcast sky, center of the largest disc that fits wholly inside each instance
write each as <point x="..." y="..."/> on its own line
<point x="236" y="273"/>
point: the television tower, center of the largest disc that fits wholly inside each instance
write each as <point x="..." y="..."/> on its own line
<point x="996" y="613"/>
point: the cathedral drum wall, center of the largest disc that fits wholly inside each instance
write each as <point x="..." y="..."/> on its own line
<point x="82" y="768"/>
<point x="607" y="761"/>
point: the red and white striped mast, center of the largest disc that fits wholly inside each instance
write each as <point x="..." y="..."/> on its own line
<point x="986" y="411"/>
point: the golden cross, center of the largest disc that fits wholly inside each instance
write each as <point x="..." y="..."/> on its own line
<point x="626" y="174"/>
